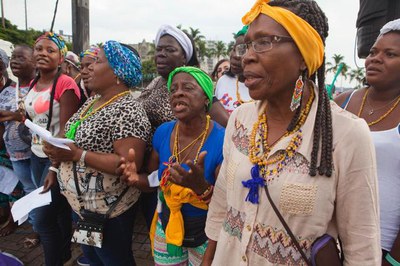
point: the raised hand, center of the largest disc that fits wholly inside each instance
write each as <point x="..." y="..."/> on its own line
<point x="127" y="169"/>
<point x="194" y="178"/>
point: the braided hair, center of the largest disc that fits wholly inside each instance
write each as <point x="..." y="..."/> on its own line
<point x="311" y="12"/>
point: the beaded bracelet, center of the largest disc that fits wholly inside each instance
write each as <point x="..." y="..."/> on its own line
<point x="206" y="193"/>
<point x="391" y="260"/>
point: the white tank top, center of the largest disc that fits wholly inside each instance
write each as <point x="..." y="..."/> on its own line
<point x="387" y="146"/>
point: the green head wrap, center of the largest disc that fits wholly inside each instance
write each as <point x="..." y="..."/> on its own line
<point x="243" y="31"/>
<point x="199" y="75"/>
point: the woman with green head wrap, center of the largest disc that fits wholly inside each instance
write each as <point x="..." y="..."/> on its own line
<point x="185" y="175"/>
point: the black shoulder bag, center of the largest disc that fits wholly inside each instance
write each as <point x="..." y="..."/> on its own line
<point x="90" y="225"/>
<point x="324" y="251"/>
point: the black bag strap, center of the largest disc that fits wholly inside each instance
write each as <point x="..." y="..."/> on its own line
<point x="287" y="228"/>
<point x="78" y="191"/>
<point x="52" y="93"/>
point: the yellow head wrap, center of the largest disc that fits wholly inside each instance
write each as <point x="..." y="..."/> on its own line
<point x="304" y="35"/>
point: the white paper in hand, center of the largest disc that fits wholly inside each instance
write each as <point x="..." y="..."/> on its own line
<point x="46" y="135"/>
<point x="24" y="205"/>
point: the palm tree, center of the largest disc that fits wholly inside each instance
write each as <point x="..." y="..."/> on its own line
<point x="220" y="49"/>
<point x="358" y="75"/>
<point x="202" y="50"/>
<point x="198" y="39"/>
<point x="338" y="60"/>
<point x="195" y="33"/>
<point x="230" y="47"/>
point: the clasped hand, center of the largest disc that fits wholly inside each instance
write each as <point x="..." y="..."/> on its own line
<point x="193" y="179"/>
<point x="127" y="169"/>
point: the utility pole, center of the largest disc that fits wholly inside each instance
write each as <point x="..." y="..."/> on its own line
<point x="80" y="25"/>
<point x="2" y="15"/>
<point x="26" y="17"/>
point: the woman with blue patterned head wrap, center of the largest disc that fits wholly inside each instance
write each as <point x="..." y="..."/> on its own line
<point x="103" y="129"/>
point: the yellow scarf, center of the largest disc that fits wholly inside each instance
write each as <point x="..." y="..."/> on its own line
<point x="175" y="196"/>
<point x="304" y="35"/>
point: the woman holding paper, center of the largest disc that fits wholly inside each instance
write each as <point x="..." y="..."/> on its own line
<point x="51" y="101"/>
<point x="104" y="129"/>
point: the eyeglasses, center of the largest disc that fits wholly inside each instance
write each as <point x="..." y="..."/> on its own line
<point x="261" y="45"/>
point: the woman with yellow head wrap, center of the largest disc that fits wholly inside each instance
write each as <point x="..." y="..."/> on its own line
<point x="297" y="146"/>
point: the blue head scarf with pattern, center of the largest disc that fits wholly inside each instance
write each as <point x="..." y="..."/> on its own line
<point x="124" y="62"/>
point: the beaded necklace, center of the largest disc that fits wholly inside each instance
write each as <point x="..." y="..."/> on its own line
<point x="88" y="111"/>
<point x="175" y="153"/>
<point x="239" y="99"/>
<point x="259" y="151"/>
<point x="383" y="116"/>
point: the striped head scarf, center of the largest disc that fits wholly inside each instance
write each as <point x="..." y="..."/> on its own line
<point x="91" y="52"/>
<point x="57" y="39"/>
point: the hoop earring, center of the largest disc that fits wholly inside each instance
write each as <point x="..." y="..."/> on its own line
<point x="297" y="93"/>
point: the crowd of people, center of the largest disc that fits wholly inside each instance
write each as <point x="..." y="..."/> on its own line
<point x="251" y="164"/>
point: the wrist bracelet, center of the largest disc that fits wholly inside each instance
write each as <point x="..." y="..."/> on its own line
<point x="82" y="159"/>
<point x="391" y="260"/>
<point x="53" y="169"/>
<point x="206" y="193"/>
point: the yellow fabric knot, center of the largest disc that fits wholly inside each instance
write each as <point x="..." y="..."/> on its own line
<point x="304" y="35"/>
<point x="175" y="196"/>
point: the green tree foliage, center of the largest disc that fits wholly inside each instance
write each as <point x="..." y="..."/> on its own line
<point x="12" y="34"/>
<point x="358" y="75"/>
<point x="149" y="70"/>
<point x="333" y="67"/>
<point x="220" y="49"/>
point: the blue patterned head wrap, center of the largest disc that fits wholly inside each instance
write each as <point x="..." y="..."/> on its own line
<point x="57" y="39"/>
<point x="125" y="63"/>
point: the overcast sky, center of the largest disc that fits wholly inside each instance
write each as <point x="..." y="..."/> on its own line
<point x="131" y="21"/>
